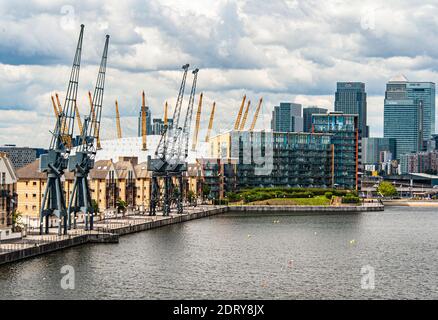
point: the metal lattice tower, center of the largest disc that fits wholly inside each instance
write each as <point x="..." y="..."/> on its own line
<point x="83" y="160"/>
<point x="55" y="161"/>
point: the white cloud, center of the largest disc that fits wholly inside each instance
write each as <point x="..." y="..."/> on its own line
<point x="293" y="50"/>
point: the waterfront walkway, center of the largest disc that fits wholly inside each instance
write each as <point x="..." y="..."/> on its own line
<point x="108" y="230"/>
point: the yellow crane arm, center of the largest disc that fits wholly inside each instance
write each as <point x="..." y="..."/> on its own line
<point x="198" y="120"/>
<point x="78" y="117"/>
<point x="93" y="120"/>
<point x="55" y="108"/>
<point x="210" y="123"/>
<point x="165" y="114"/>
<point x="245" y="116"/>
<point x="239" y="115"/>
<point x="256" y="115"/>
<point x="119" y="127"/>
<point x="143" y="122"/>
<point x="59" y="103"/>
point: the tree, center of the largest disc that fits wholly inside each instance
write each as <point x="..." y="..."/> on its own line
<point x="205" y="190"/>
<point x="121" y="206"/>
<point x="387" y="189"/>
<point x="17" y="224"/>
<point x="95" y="206"/>
<point x="191" y="196"/>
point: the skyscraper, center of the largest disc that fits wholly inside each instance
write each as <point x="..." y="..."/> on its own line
<point x="307" y="117"/>
<point x="409" y="114"/>
<point x="287" y="118"/>
<point x="351" y="98"/>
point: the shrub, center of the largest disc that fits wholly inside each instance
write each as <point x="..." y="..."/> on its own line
<point x="328" y="195"/>
<point x="350" y="199"/>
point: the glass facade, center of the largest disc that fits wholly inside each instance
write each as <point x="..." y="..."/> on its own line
<point x="351" y="98"/>
<point x="282" y="159"/>
<point x="373" y="147"/>
<point x="307" y="117"/>
<point x="404" y="113"/>
<point x="347" y="146"/>
<point x="287" y="118"/>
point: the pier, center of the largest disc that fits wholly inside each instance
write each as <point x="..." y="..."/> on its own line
<point x="109" y="230"/>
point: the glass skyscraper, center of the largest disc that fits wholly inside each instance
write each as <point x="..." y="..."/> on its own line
<point x="287" y="118"/>
<point x="351" y="98"/>
<point x="307" y="117"/>
<point x="409" y="114"/>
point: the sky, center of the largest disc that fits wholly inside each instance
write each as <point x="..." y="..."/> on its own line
<point x="281" y="50"/>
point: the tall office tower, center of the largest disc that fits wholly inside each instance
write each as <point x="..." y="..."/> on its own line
<point x="346" y="143"/>
<point x="351" y="98"/>
<point x="409" y="114"/>
<point x="158" y="125"/>
<point x="372" y="149"/>
<point x="287" y="118"/>
<point x="307" y="117"/>
<point x="148" y="122"/>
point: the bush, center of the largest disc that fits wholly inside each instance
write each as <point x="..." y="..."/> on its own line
<point x="350" y="198"/>
<point x="328" y="195"/>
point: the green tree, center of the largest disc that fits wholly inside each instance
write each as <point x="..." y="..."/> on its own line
<point x="190" y="196"/>
<point x="17" y="224"/>
<point x="387" y="189"/>
<point x="95" y="206"/>
<point x="121" y="206"/>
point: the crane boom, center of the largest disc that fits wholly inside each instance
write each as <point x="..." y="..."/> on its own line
<point x="143" y="122"/>
<point x="198" y="120"/>
<point x="188" y="119"/>
<point x="245" y="116"/>
<point x="210" y="123"/>
<point x="256" y="115"/>
<point x="119" y="127"/>
<point x="93" y="115"/>
<point x="239" y="115"/>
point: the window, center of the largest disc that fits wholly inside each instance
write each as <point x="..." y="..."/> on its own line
<point x="34" y="183"/>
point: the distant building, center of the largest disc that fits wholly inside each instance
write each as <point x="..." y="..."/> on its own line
<point x="148" y="122"/>
<point x="346" y="143"/>
<point x="408" y="112"/>
<point x="158" y="125"/>
<point x="8" y="196"/>
<point x="419" y="162"/>
<point x="307" y="117"/>
<point x="375" y="150"/>
<point x="21" y="156"/>
<point x="351" y="98"/>
<point x="287" y="118"/>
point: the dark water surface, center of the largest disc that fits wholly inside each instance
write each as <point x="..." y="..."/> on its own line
<point x="243" y="256"/>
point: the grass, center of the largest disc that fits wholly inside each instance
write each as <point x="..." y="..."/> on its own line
<point x="315" y="201"/>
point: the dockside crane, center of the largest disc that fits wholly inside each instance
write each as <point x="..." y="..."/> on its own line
<point x="256" y="115"/>
<point x="119" y="127"/>
<point x="165" y="120"/>
<point x="55" y="161"/>
<point x="169" y="161"/>
<point x="210" y="123"/>
<point x="83" y="160"/>
<point x="198" y="121"/>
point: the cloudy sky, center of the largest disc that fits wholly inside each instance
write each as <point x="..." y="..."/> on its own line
<point x="281" y="50"/>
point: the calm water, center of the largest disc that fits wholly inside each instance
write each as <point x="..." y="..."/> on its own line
<point x="247" y="257"/>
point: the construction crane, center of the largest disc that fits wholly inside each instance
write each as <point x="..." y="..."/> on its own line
<point x="239" y="115"/>
<point x="143" y="122"/>
<point x="55" y="161"/>
<point x="119" y="127"/>
<point x="198" y="120"/>
<point x="210" y="123"/>
<point x="256" y="115"/>
<point x="245" y="116"/>
<point x="83" y="160"/>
